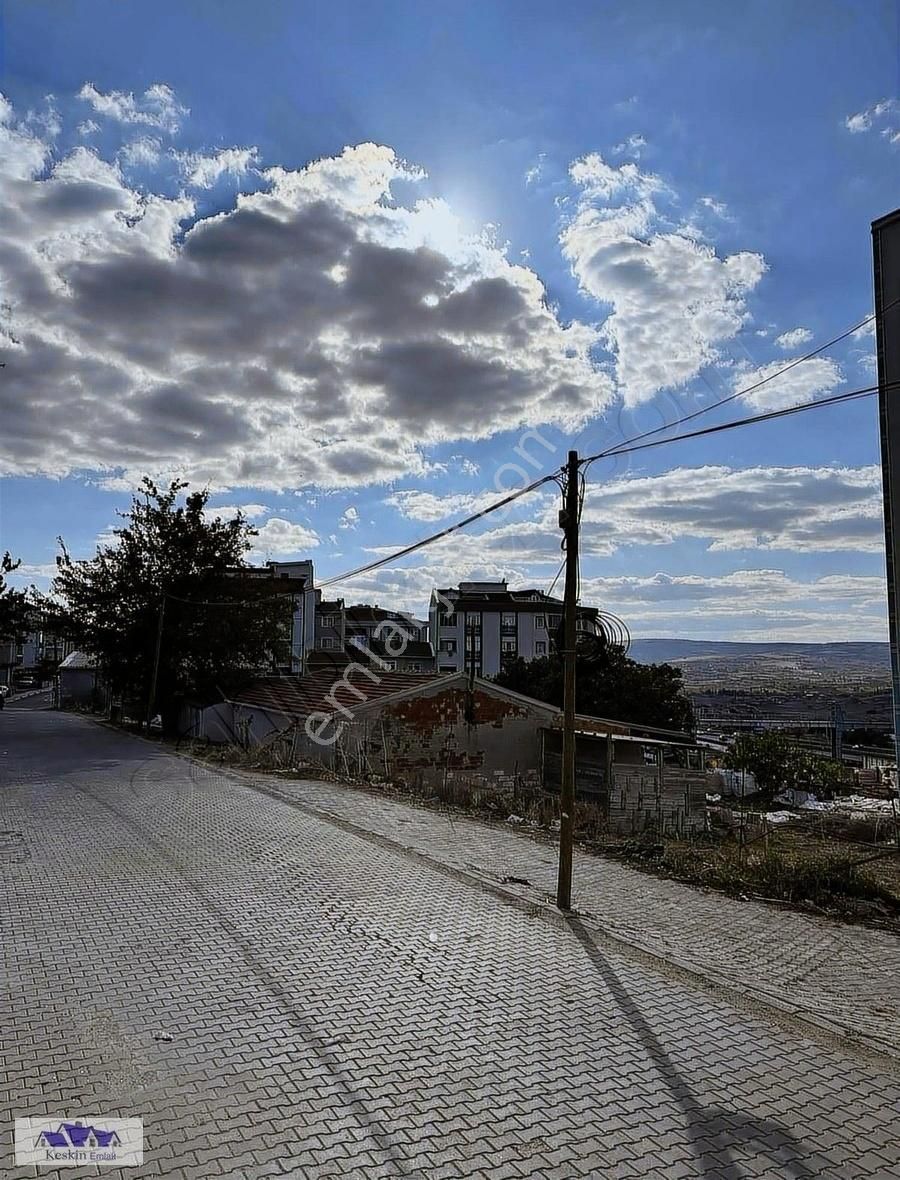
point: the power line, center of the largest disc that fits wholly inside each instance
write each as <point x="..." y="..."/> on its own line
<point x="768" y="416"/>
<point x="614" y="450"/>
<point x="562" y="566"/>
<point x="640" y="446"/>
<point x="461" y="524"/>
<point x="635" y="443"/>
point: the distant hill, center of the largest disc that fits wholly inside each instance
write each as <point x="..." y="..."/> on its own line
<point x="663" y="651"/>
<point x="724" y="664"/>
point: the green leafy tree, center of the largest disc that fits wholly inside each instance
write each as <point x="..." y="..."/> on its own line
<point x="610" y="686"/>
<point x="13" y="603"/>
<point x="171" y="579"/>
<point x="778" y="764"/>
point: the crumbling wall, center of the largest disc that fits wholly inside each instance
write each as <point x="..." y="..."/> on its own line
<point x="432" y="738"/>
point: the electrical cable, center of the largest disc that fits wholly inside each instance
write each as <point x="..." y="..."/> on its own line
<point x="629" y="446"/>
<point x="619" y="448"/>
<point x="461" y="524"/>
<point x="768" y="416"/>
<point x="614" y="450"/>
<point x="555" y="475"/>
<point x="562" y="566"/>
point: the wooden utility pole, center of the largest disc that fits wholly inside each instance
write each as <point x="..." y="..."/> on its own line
<point x="568" y="522"/>
<point x="151" y="698"/>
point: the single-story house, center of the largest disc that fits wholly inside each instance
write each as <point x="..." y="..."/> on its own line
<point x="77" y="680"/>
<point x="417" y="726"/>
<point x="428" y="729"/>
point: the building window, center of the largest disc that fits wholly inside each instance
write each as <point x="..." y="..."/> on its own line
<point x="508" y="645"/>
<point x="415" y="668"/>
<point x="326" y="644"/>
<point x="540" y="649"/>
<point x="448" y="646"/>
<point x="554" y="620"/>
<point x="540" y="622"/>
<point x="507" y="621"/>
<point x="447" y="668"/>
<point x="329" y="621"/>
<point x="449" y="620"/>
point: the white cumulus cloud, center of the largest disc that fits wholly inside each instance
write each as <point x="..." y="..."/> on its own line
<point x="230" y="511"/>
<point x="279" y="538"/>
<point x="204" y="171"/>
<point x="794" y="338"/>
<point x="157" y="107"/>
<point x="883" y="116"/>
<point x="141" y="153"/>
<point x="747" y="604"/>
<point x="801" y="384"/>
<point x="796" y="509"/>
<point x="674" y="299"/>
<point x="320" y="331"/>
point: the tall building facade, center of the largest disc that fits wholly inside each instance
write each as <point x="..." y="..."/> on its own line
<point x="481" y="626"/>
<point x="348" y="633"/>
<point x="292" y="650"/>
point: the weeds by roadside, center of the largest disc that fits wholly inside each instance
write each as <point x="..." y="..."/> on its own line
<point x="818" y="875"/>
<point x="825" y="880"/>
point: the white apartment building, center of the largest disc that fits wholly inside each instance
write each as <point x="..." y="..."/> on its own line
<point x="479" y="626"/>
<point x="294" y="655"/>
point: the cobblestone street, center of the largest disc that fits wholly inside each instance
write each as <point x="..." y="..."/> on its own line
<point x="277" y="993"/>
<point x="835" y="976"/>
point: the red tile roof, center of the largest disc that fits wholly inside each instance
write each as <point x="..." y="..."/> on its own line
<point x="300" y="697"/>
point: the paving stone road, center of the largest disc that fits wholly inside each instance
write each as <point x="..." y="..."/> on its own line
<point x="275" y="994"/>
<point x="846" y="978"/>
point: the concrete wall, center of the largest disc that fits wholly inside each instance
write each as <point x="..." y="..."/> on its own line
<point x="215" y="723"/>
<point x="490" y="643"/>
<point x="436" y="734"/>
<point x="253" y="724"/>
<point x="76" y="686"/>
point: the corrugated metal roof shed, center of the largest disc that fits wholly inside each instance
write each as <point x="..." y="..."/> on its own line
<point x="80" y="659"/>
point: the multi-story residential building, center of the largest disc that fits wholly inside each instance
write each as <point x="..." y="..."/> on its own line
<point x="20" y="658"/>
<point x="331" y="631"/>
<point x="480" y="626"/>
<point x="292" y="652"/>
<point x="345" y="633"/>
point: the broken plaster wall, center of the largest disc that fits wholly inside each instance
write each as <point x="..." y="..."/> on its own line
<point x="448" y="734"/>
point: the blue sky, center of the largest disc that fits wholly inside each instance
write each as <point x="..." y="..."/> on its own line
<point x="578" y="220"/>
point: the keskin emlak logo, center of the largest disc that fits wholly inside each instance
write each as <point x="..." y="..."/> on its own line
<point x="81" y="1142"/>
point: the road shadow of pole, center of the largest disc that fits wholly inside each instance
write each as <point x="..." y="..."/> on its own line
<point x="713" y="1131"/>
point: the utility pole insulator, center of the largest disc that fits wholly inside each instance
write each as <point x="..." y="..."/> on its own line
<point x="568" y="521"/>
